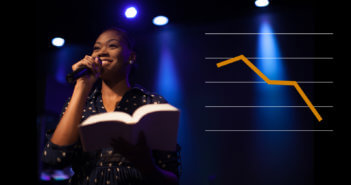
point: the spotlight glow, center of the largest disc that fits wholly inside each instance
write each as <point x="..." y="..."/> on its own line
<point x="262" y="3"/>
<point x="130" y="12"/>
<point x="58" y="41"/>
<point x="160" y="20"/>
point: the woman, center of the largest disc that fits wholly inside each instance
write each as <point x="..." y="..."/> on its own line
<point x="110" y="62"/>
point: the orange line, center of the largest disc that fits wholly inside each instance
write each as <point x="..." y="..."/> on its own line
<point x="273" y="82"/>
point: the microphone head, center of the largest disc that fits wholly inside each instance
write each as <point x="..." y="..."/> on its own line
<point x="81" y="71"/>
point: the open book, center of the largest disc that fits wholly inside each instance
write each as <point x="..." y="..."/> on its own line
<point x="159" y="122"/>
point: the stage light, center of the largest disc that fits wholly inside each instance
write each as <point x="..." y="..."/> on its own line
<point x="262" y="3"/>
<point x="160" y="20"/>
<point x="58" y="41"/>
<point x="130" y="12"/>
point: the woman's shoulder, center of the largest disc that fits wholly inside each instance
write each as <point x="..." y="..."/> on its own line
<point x="149" y="96"/>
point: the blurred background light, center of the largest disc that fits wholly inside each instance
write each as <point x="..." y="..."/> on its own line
<point x="261" y="3"/>
<point x="130" y="12"/>
<point x="58" y="42"/>
<point x="160" y="20"/>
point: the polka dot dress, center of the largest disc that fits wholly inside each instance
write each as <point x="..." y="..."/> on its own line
<point x="105" y="167"/>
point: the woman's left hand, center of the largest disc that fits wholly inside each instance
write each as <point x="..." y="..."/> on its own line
<point x="140" y="154"/>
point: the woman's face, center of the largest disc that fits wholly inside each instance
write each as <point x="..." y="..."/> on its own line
<point x="114" y="54"/>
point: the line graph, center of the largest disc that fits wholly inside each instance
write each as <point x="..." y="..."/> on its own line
<point x="272" y="82"/>
<point x="273" y="58"/>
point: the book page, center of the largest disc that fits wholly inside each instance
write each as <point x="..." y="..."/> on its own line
<point x="146" y="109"/>
<point x="160" y="129"/>
<point x="107" y="117"/>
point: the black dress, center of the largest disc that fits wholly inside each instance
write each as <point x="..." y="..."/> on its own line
<point x="104" y="166"/>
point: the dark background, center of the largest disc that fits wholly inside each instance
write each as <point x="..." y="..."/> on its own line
<point x="180" y="49"/>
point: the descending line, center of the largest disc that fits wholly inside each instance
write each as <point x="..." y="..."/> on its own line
<point x="273" y="82"/>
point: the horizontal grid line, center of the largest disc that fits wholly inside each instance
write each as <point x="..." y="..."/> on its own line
<point x="269" y="130"/>
<point x="247" y="33"/>
<point x="264" y="106"/>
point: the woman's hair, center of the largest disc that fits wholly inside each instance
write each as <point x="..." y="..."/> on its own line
<point x="126" y="37"/>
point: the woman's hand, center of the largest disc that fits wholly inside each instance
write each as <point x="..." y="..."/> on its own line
<point x="139" y="154"/>
<point x="94" y="64"/>
<point x="141" y="157"/>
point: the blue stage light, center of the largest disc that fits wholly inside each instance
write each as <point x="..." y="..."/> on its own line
<point x="131" y="12"/>
<point x="262" y="3"/>
<point x="58" y="41"/>
<point x="160" y="20"/>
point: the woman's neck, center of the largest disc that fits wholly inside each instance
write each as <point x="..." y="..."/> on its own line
<point x="115" y="89"/>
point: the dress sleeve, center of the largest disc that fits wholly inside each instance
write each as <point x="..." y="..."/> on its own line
<point x="59" y="156"/>
<point x="167" y="160"/>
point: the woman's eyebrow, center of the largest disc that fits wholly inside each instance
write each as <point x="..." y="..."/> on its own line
<point x="109" y="41"/>
<point x="113" y="40"/>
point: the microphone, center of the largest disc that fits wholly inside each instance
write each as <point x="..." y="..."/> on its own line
<point x="81" y="71"/>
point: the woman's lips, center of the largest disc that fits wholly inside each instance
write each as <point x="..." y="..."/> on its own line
<point x="106" y="61"/>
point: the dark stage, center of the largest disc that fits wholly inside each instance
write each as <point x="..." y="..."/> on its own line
<point x="234" y="127"/>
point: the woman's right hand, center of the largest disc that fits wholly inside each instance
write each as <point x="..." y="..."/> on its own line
<point x="94" y="64"/>
<point x="66" y="132"/>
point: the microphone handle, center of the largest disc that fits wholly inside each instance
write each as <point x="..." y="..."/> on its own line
<point x="81" y="71"/>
